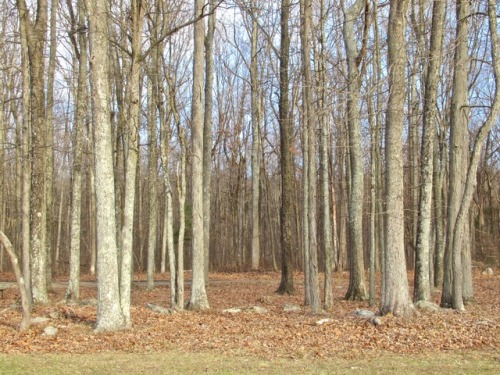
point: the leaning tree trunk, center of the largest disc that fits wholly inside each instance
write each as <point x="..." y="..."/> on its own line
<point x="395" y="297"/>
<point x="25" y="302"/>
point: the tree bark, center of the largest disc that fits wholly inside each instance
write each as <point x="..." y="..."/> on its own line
<point x="73" y="291"/>
<point x="395" y="297"/>
<point x="422" y="289"/>
<point x="109" y="310"/>
<point x="198" y="300"/>
<point x="207" y="137"/>
<point x="286" y="161"/>
<point x="458" y="159"/>
<point x="25" y="302"/>
<point x="357" y="288"/>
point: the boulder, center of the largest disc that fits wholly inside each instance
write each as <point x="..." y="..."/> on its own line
<point x="291" y="308"/>
<point x="50" y="331"/>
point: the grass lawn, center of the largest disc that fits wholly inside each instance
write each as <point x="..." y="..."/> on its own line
<point x="174" y="362"/>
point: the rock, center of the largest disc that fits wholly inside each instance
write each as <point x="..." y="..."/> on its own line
<point x="291" y="308"/>
<point x="427" y="306"/>
<point x="159" y="309"/>
<point x="50" y="331"/>
<point x="488" y="271"/>
<point x="363" y="313"/>
<point x="39" y="320"/>
<point x="259" y="310"/>
<point x="323" y="321"/>
<point x="232" y="310"/>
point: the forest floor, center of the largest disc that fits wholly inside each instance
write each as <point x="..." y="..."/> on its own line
<point x="261" y="333"/>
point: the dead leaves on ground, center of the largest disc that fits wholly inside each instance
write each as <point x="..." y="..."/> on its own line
<point x="269" y="333"/>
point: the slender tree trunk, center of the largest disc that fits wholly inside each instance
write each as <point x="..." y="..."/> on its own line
<point x="256" y="148"/>
<point x="207" y="137"/>
<point x="286" y="209"/>
<point x="326" y="223"/>
<point x="395" y="297"/>
<point x="133" y="124"/>
<point x="198" y="300"/>
<point x="153" y="195"/>
<point x="422" y="289"/>
<point x="458" y="159"/>
<point x="357" y="288"/>
<point x="73" y="291"/>
<point x="25" y="302"/>
<point x="109" y="310"/>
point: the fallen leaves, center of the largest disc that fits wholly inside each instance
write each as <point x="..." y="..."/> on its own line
<point x="261" y="327"/>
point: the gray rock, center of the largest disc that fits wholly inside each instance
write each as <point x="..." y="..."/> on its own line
<point x="291" y="308"/>
<point x="427" y="306"/>
<point x="50" y="331"/>
<point x="488" y="271"/>
<point x="159" y="309"/>
<point x="232" y="310"/>
<point x="363" y="313"/>
<point x="39" y="320"/>
<point x="259" y="310"/>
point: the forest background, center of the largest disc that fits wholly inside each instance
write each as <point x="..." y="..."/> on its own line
<point x="318" y="136"/>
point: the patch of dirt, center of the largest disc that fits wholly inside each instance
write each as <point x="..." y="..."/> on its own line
<point x="270" y="333"/>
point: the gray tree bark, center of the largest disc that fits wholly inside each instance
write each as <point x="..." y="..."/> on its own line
<point x="286" y="162"/>
<point x="357" y="288"/>
<point x="458" y="159"/>
<point x="198" y="300"/>
<point x="73" y="291"/>
<point x="422" y="287"/>
<point x="109" y="310"/>
<point x="395" y="297"/>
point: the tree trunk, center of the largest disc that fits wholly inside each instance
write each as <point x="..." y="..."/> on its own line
<point x="458" y="253"/>
<point x="395" y="297"/>
<point x="310" y="129"/>
<point x="73" y="291"/>
<point x="286" y="165"/>
<point x="153" y="195"/>
<point x="357" y="288"/>
<point x="458" y="159"/>
<point x="109" y="311"/>
<point x="256" y="148"/>
<point x="422" y="289"/>
<point x="25" y="302"/>
<point x="207" y="137"/>
<point x="198" y="300"/>
<point x="34" y="35"/>
<point x="325" y="219"/>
